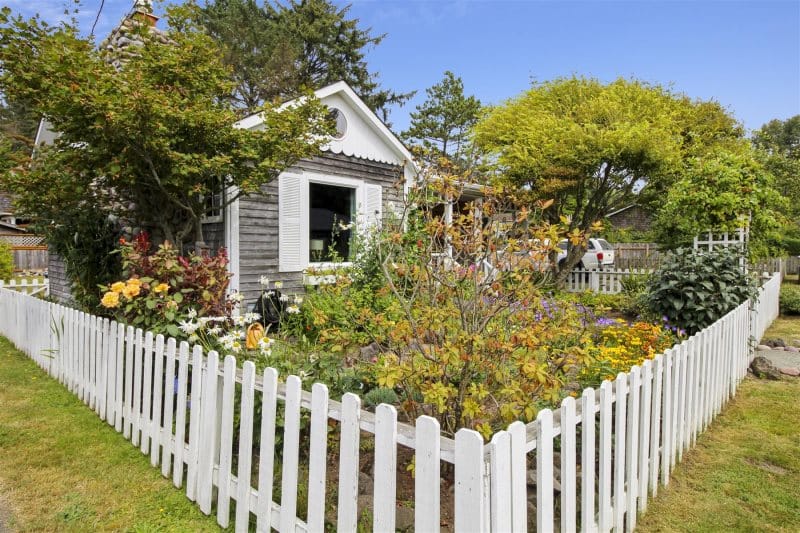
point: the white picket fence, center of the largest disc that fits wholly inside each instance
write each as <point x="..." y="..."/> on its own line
<point x="603" y="281"/>
<point x="178" y="406"/>
<point x="27" y="286"/>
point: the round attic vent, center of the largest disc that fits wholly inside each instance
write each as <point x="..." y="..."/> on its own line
<point x="341" y="122"/>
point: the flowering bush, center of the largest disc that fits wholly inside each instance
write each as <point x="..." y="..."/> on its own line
<point x="163" y="288"/>
<point x="619" y="346"/>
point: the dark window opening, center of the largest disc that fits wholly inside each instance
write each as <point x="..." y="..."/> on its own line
<point x="331" y="216"/>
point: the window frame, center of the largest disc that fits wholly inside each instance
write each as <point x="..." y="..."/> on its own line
<point x="358" y="185"/>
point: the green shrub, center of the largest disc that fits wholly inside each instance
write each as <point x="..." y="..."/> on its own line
<point x="6" y="261"/>
<point x="694" y="288"/>
<point x="380" y="395"/>
<point x="792" y="245"/>
<point x="790" y="300"/>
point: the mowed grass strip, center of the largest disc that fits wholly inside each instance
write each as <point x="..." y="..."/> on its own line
<point x="63" y="469"/>
<point x="744" y="473"/>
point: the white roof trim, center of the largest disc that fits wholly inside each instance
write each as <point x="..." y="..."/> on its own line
<point x="341" y="88"/>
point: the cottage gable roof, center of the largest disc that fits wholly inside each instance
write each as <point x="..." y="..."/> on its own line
<point x="365" y="135"/>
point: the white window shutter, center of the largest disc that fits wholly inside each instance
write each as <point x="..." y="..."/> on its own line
<point x="373" y="205"/>
<point x="290" y="223"/>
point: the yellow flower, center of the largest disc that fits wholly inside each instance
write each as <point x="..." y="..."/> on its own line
<point x="131" y="290"/>
<point x="110" y="300"/>
<point x="134" y="281"/>
<point x="161" y="287"/>
<point x="118" y="287"/>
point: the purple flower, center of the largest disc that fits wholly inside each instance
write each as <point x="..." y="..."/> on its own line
<point x="602" y="321"/>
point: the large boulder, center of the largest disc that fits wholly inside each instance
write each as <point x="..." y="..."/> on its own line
<point x="764" y="369"/>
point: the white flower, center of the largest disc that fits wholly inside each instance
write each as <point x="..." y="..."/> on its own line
<point x="264" y="281"/>
<point x="215" y="331"/>
<point x="237" y="297"/>
<point x="188" y="327"/>
<point x="251" y="317"/>
<point x="270" y="294"/>
<point x="292" y="309"/>
<point x="238" y="321"/>
<point x="236" y="347"/>
<point x="266" y="353"/>
<point x="227" y="341"/>
<point x="278" y="284"/>
<point x="265" y="343"/>
<point x="284" y="298"/>
<point x="193" y="337"/>
<point x="192" y="314"/>
<point x="298" y="300"/>
<point x="204" y="320"/>
<point x="345" y="227"/>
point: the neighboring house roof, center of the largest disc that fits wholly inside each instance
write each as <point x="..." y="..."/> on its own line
<point x="618" y="211"/>
<point x="5" y="228"/>
<point x="367" y="137"/>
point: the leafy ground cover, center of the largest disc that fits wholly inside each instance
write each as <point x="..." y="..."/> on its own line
<point x="743" y="474"/>
<point x="63" y="469"/>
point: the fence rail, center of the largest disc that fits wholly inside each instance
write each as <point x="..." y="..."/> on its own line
<point x="179" y="406"/>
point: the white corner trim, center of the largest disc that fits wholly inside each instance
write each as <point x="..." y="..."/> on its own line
<point x="232" y="239"/>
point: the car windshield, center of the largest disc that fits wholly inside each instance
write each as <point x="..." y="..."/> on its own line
<point x="604" y="244"/>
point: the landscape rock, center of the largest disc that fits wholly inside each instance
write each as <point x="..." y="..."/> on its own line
<point x="530" y="480"/>
<point x="795" y="372"/>
<point x="404" y="519"/>
<point x="370" y="351"/>
<point x="779" y="348"/>
<point x="365" y="484"/>
<point x="763" y="347"/>
<point x="792" y="349"/>
<point x="764" y="369"/>
<point x="775" y="342"/>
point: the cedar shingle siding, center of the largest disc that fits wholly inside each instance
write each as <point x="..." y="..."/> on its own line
<point x="258" y="218"/>
<point x="634" y="218"/>
<point x="60" y="287"/>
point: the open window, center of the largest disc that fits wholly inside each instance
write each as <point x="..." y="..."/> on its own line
<point x="319" y="217"/>
<point x="332" y="213"/>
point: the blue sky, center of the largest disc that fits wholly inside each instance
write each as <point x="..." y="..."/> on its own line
<point x="744" y="54"/>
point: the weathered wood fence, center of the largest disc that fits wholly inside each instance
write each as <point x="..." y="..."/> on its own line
<point x="178" y="405"/>
<point x="29" y="251"/>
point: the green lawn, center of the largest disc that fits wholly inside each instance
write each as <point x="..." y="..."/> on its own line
<point x="744" y="473"/>
<point x="63" y="469"/>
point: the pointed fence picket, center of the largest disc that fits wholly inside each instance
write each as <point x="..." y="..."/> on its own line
<point x="178" y="406"/>
<point x="606" y="281"/>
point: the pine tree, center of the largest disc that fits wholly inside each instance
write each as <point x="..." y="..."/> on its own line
<point x="442" y="122"/>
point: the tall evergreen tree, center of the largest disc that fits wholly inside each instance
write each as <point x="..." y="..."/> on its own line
<point x="276" y="50"/>
<point x="441" y="123"/>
